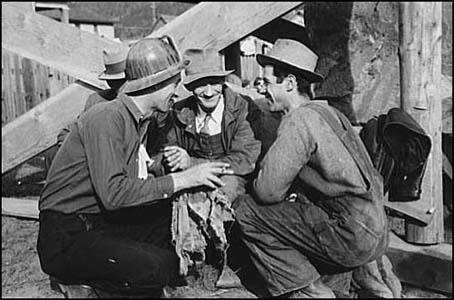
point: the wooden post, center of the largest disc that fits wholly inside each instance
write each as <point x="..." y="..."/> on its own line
<point x="420" y="77"/>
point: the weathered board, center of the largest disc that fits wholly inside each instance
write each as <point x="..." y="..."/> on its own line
<point x="27" y="83"/>
<point x="37" y="129"/>
<point x="220" y="24"/>
<point x="427" y="266"/>
<point x="420" y="75"/>
<point x="20" y="208"/>
<point x="60" y="46"/>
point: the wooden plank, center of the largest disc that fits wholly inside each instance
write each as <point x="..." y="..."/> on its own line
<point x="423" y="266"/>
<point x="15" y="207"/>
<point x="29" y="82"/>
<point x="54" y="44"/>
<point x="37" y="129"/>
<point x="420" y="69"/>
<point x="20" y="100"/>
<point x="223" y="22"/>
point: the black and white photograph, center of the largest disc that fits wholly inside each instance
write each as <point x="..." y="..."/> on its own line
<point x="226" y="149"/>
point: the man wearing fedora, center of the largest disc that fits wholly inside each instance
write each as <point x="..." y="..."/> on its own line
<point x="212" y="124"/>
<point x="317" y="209"/>
<point x="114" y="75"/>
<point x="104" y="224"/>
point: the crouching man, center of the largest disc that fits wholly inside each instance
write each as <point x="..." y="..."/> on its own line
<point x="318" y="209"/>
<point x="104" y="221"/>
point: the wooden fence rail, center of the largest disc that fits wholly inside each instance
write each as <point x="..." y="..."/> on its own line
<point x="26" y="83"/>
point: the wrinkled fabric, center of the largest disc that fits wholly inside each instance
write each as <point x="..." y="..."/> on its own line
<point x="378" y="279"/>
<point x="196" y="217"/>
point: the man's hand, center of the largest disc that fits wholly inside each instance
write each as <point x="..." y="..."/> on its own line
<point x="176" y="158"/>
<point x="203" y="174"/>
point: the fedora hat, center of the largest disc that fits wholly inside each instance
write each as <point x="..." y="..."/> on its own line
<point x="292" y="55"/>
<point x="204" y="63"/>
<point x="114" y="64"/>
<point x="151" y="61"/>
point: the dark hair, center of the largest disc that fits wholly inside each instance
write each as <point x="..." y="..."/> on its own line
<point x="303" y="86"/>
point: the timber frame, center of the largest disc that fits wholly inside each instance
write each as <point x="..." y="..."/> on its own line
<point x="64" y="48"/>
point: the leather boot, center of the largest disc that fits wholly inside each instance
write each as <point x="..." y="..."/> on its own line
<point x="377" y="279"/>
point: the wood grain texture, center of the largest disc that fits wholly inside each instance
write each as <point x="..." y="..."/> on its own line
<point x="54" y="44"/>
<point x="420" y="76"/>
<point x="20" y="208"/>
<point x="219" y="24"/>
<point x="428" y="266"/>
<point x="37" y="129"/>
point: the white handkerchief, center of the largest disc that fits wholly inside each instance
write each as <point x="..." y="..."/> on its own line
<point x="143" y="160"/>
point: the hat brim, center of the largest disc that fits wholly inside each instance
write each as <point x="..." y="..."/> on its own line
<point x="191" y="78"/>
<point x="270" y="60"/>
<point x="143" y="83"/>
<point x="105" y="76"/>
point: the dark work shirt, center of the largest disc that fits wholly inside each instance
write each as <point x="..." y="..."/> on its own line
<point x="96" y="167"/>
<point x="100" y="97"/>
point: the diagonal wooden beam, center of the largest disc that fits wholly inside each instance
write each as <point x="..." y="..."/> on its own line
<point x="220" y="24"/>
<point x="37" y="129"/>
<point x="54" y="44"/>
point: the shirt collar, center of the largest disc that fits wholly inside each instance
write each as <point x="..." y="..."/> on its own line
<point x="216" y="115"/>
<point x="133" y="109"/>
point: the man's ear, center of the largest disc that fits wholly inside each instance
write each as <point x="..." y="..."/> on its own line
<point x="291" y="83"/>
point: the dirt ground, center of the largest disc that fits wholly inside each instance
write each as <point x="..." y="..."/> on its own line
<point x="22" y="276"/>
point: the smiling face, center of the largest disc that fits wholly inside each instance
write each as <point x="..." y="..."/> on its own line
<point x="276" y="92"/>
<point x="207" y="91"/>
<point x="260" y="86"/>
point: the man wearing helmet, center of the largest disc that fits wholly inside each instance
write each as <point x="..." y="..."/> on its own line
<point x="104" y="220"/>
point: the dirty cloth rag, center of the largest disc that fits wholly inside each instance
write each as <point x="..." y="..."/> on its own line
<point x="196" y="217"/>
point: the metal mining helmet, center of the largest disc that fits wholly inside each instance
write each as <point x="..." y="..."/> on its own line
<point x="151" y="61"/>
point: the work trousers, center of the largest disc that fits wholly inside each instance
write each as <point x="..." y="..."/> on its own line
<point x="294" y="242"/>
<point x="127" y="251"/>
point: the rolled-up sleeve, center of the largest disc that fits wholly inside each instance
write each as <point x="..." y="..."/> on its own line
<point x="284" y="160"/>
<point x="107" y="164"/>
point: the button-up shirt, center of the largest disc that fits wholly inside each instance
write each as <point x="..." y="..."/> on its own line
<point x="215" y="121"/>
<point x="97" y="166"/>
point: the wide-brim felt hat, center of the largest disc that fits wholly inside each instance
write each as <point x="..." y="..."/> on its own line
<point x="114" y="63"/>
<point x="151" y="61"/>
<point x="294" y="56"/>
<point x="204" y="63"/>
